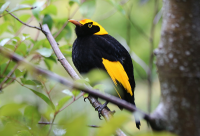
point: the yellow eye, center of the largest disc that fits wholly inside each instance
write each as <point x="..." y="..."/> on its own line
<point x="89" y="25"/>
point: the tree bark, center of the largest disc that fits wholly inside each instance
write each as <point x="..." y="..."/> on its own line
<point x="178" y="63"/>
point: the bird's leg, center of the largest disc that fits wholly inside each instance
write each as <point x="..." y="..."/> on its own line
<point x="100" y="108"/>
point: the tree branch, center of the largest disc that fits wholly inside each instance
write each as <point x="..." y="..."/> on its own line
<point x="117" y="101"/>
<point x="23" y="22"/>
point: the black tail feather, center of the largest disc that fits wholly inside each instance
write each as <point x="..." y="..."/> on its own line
<point x="137" y="124"/>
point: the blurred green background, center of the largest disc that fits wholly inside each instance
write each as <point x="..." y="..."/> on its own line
<point x="129" y="21"/>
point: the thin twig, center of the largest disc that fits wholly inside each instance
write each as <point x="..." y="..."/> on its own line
<point x="47" y="92"/>
<point x="9" y="74"/>
<point x="94" y="126"/>
<point x="16" y="46"/>
<point x="72" y="101"/>
<point x="52" y="88"/>
<point x="45" y="123"/>
<point x="23" y="22"/>
<point x="32" y="17"/>
<point x="12" y="79"/>
<point x="14" y="11"/>
<point x="55" y="114"/>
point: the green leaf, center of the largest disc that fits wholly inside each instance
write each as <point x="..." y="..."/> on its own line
<point x="99" y="87"/>
<point x="71" y="2"/>
<point x="109" y="128"/>
<point x="4" y="7"/>
<point x="25" y="37"/>
<point x="44" y="97"/>
<point x="37" y="82"/>
<point x="61" y="35"/>
<point x="3" y="60"/>
<point x="11" y="109"/>
<point x="87" y="9"/>
<point x="78" y="124"/>
<point x="4" y="41"/>
<point x="62" y="102"/>
<point x="8" y="46"/>
<point x="32" y="116"/>
<point x="53" y="58"/>
<point x="37" y="45"/>
<point x="76" y="92"/>
<point x="19" y="73"/>
<point x="45" y="52"/>
<point x="9" y="129"/>
<point x="36" y="11"/>
<point x="48" y="20"/>
<point x="51" y="9"/>
<point x="30" y="82"/>
<point x="85" y="95"/>
<point x="22" y="49"/>
<point x="31" y="2"/>
<point x="4" y="27"/>
<point x="16" y="39"/>
<point x="27" y="82"/>
<point x="21" y="7"/>
<point x="97" y="75"/>
<point x="64" y="99"/>
<point x="24" y="133"/>
<point x="67" y="92"/>
<point x="49" y="63"/>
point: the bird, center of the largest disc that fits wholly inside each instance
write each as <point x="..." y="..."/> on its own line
<point x="95" y="48"/>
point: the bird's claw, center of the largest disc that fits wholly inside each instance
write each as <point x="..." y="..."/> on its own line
<point x="85" y="99"/>
<point x="99" y="109"/>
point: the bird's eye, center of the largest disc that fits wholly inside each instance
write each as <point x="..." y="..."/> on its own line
<point x="89" y="25"/>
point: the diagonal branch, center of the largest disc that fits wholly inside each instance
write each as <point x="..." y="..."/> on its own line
<point x="53" y="76"/>
<point x="23" y="22"/>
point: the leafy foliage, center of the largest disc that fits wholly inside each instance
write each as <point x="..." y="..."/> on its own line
<point x="29" y="98"/>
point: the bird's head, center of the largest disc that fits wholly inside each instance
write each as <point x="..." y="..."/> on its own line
<point x="88" y="27"/>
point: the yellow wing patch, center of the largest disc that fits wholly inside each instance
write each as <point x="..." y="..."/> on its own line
<point x="117" y="73"/>
<point x="102" y="30"/>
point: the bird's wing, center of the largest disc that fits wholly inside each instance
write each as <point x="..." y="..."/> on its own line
<point x="116" y="61"/>
<point x="117" y="73"/>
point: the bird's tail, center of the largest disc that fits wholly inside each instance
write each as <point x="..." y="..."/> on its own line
<point x="137" y="120"/>
<point x="137" y="124"/>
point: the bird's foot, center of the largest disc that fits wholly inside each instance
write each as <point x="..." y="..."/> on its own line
<point x="100" y="108"/>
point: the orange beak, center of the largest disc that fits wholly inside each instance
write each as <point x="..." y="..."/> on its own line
<point x="75" y="22"/>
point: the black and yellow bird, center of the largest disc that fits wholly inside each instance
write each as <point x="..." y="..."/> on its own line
<point x="95" y="48"/>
